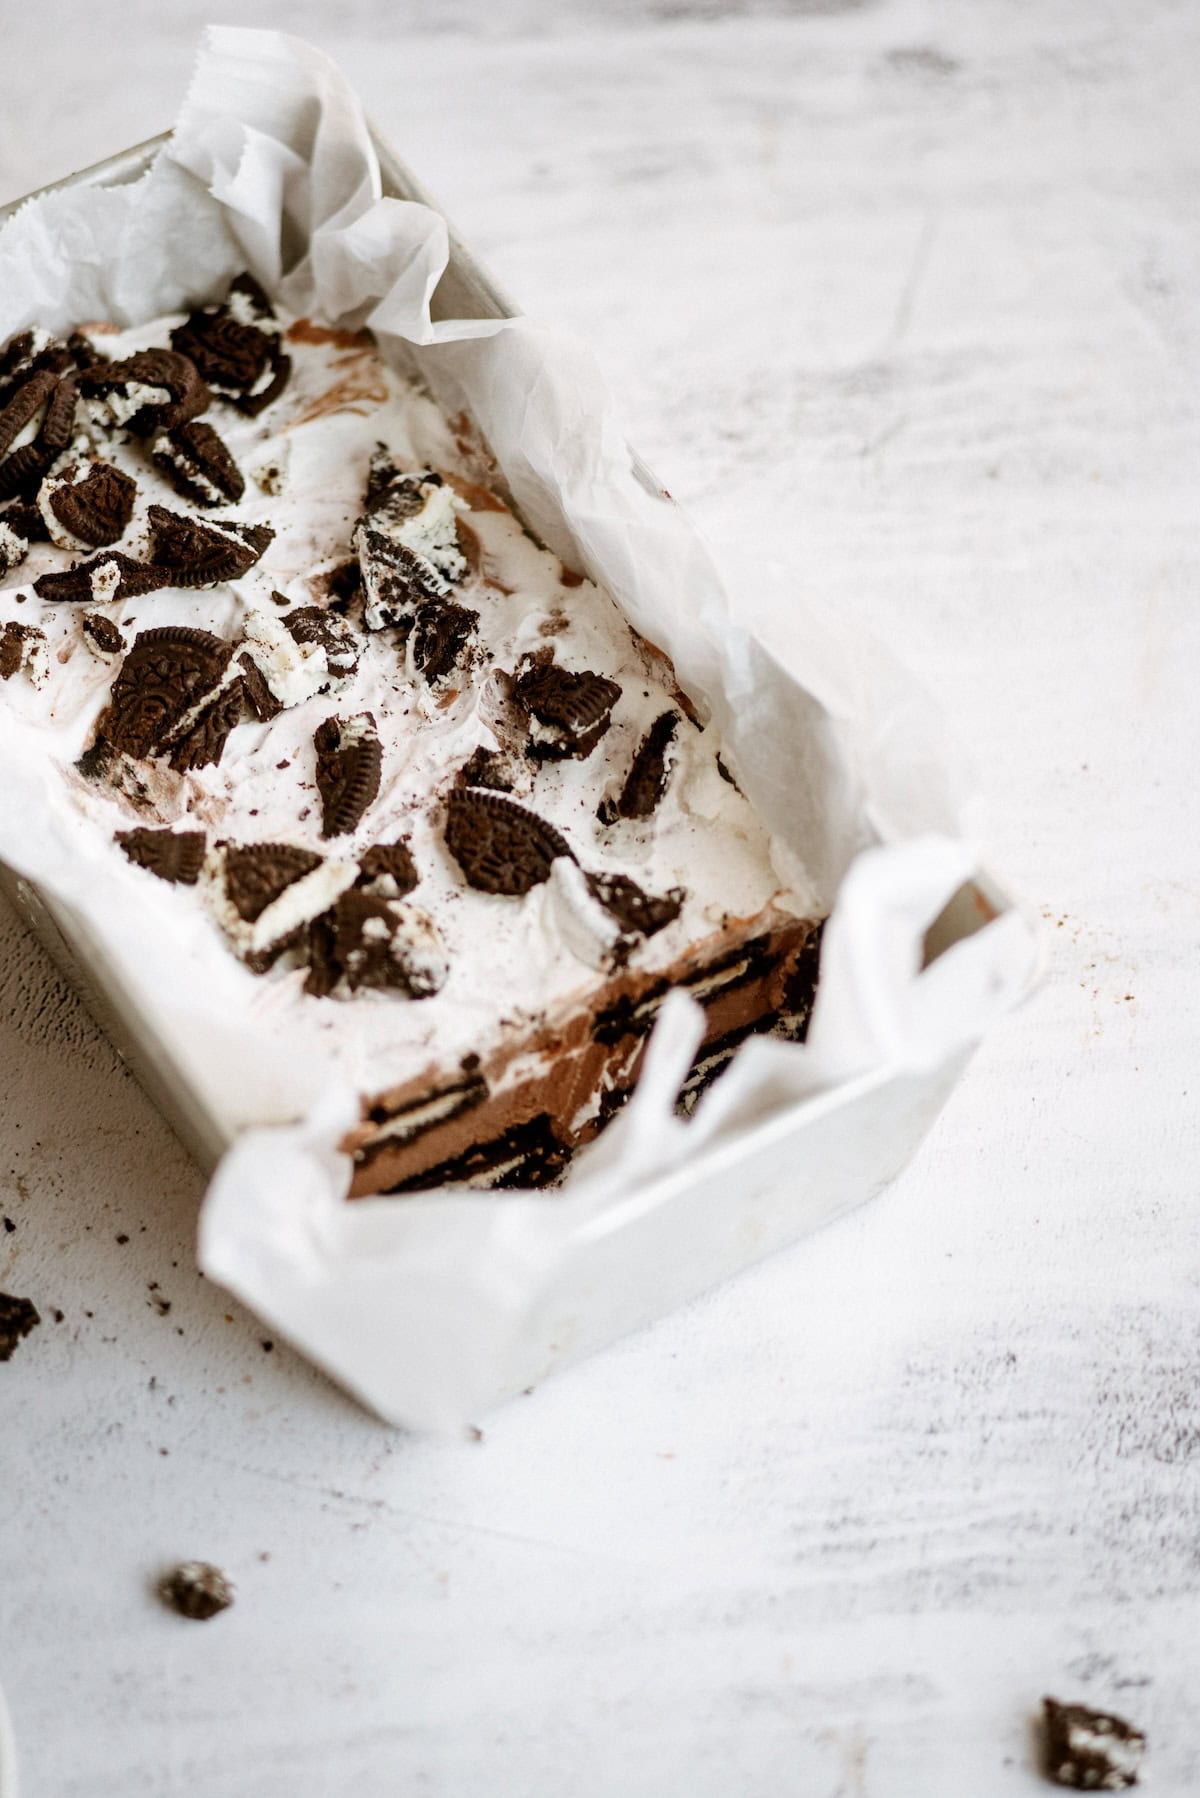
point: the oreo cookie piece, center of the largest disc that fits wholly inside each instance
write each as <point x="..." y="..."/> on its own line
<point x="30" y="353"/>
<point x="370" y="941"/>
<point x="84" y="353"/>
<point x="323" y="629"/>
<point x="1090" y="1751"/>
<point x="392" y="862"/>
<point x="395" y="580"/>
<point x="24" y="520"/>
<point x="21" y="416"/>
<point x="198" y="464"/>
<point x="419" y="510"/>
<point x="568" y="713"/>
<point x="266" y="895"/>
<point x="36" y="425"/>
<point x="349" y="769"/>
<point x="646" y="781"/>
<point x="104" y="578"/>
<point x="440" y="633"/>
<point x="256" y="690"/>
<point x="602" y="917"/>
<point x="14" y="546"/>
<point x="637" y="912"/>
<point x="23" y="650"/>
<point x="485" y="768"/>
<point x="102" y="636"/>
<point x="236" y="347"/>
<point x="203" y="555"/>
<point x="86" y="502"/>
<point x="175" y="856"/>
<point x="178" y="693"/>
<point x="501" y="846"/>
<point x="290" y="659"/>
<point x="152" y="390"/>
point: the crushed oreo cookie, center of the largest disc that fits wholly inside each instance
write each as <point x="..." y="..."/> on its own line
<point x="150" y="391"/>
<point x="28" y="353"/>
<point x="440" y="634"/>
<point x="501" y="846"/>
<point x="102" y="636"/>
<point x="420" y="511"/>
<point x="174" y="855"/>
<point x="91" y="502"/>
<point x="198" y="464"/>
<point x="637" y="913"/>
<point x="372" y="940"/>
<point x="568" y="712"/>
<point x="23" y="650"/>
<point x="17" y="1318"/>
<point x="176" y="694"/>
<point x="343" y="585"/>
<point x="391" y="861"/>
<point x="395" y="580"/>
<point x="326" y="630"/>
<point x="196" y="554"/>
<point x="256" y="689"/>
<point x="486" y="768"/>
<point x="104" y="578"/>
<point x="23" y="518"/>
<point x="266" y="895"/>
<point x="196" y="1590"/>
<point x="29" y="400"/>
<point x="349" y="769"/>
<point x="236" y="347"/>
<point x="1090" y="1751"/>
<point x="83" y="351"/>
<point x="14" y="546"/>
<point x="646" y="781"/>
<point x="35" y="427"/>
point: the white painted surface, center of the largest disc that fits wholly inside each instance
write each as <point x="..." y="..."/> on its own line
<point x="832" y="1531"/>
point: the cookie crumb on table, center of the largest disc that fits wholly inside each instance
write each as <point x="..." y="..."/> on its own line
<point x="1090" y="1751"/>
<point x="196" y="1590"/>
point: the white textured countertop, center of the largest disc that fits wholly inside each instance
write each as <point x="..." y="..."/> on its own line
<point x="834" y="1530"/>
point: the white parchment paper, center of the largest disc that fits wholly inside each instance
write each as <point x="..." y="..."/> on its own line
<point x="427" y="1306"/>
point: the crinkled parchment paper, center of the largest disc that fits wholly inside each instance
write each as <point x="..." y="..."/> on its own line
<point x="431" y="1307"/>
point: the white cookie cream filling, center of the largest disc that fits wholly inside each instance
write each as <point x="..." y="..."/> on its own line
<point x="104" y="579"/>
<point x="29" y="429"/>
<point x="297" y="905"/>
<point x="293" y="671"/>
<point x="108" y="410"/>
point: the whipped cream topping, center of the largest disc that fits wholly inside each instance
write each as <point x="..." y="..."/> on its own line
<point x="499" y="964"/>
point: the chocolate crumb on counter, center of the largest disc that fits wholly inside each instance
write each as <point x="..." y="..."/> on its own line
<point x="1089" y="1751"/>
<point x="196" y="1590"/>
<point x="17" y="1318"/>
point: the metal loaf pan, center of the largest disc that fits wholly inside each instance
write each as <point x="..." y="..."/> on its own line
<point x="861" y="1134"/>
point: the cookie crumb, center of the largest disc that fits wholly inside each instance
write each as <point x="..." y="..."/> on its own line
<point x="1090" y="1751"/>
<point x="17" y="1318"/>
<point x="197" y="1590"/>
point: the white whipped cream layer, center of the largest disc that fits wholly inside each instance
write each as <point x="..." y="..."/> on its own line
<point x="509" y="961"/>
